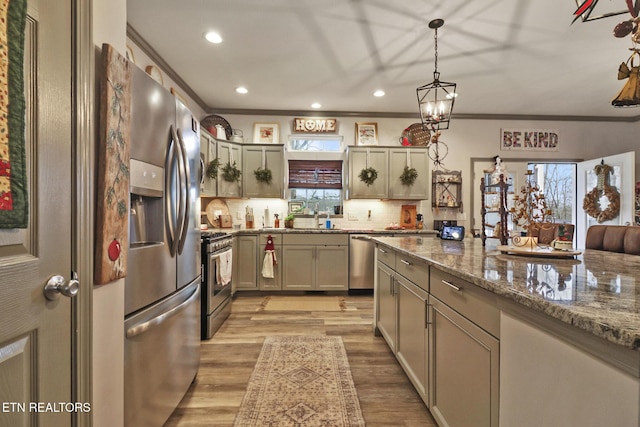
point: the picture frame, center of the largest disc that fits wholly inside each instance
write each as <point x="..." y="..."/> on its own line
<point x="266" y="133"/>
<point x="366" y="133"/>
<point x="295" y="206"/>
<point x="408" y="216"/>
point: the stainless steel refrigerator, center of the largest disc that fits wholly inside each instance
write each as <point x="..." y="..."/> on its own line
<point x="162" y="286"/>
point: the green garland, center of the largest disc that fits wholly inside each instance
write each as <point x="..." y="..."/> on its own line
<point x="368" y="175"/>
<point x="263" y="175"/>
<point x="212" y="168"/>
<point x="408" y="176"/>
<point x="231" y="173"/>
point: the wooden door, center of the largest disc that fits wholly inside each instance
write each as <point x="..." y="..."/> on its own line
<point x="35" y="334"/>
<point x="621" y="177"/>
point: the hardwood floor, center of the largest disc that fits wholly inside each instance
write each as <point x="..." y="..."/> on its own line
<point x="386" y="396"/>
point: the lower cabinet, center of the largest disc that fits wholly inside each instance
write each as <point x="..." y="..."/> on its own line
<point x="464" y="353"/>
<point x="245" y="262"/>
<point x="270" y="283"/>
<point x="387" y="307"/>
<point x="315" y="262"/>
<point x="299" y="267"/>
<point x="413" y="332"/>
<point x="401" y="317"/>
<point x="445" y="334"/>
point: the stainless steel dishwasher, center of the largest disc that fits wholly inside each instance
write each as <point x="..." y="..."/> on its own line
<point x="361" y="258"/>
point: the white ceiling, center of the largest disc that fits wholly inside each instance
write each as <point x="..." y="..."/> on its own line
<point x="508" y="57"/>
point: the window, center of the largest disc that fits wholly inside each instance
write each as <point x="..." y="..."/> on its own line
<point x="558" y="182"/>
<point x="316" y="144"/>
<point x="315" y="174"/>
<point x="316" y="183"/>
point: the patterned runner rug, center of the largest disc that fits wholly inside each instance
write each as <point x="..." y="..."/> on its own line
<point x="301" y="381"/>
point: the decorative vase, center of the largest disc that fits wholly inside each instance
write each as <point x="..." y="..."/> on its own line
<point x="288" y="223"/>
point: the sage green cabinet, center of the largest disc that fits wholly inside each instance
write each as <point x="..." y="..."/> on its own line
<point x="332" y="268"/>
<point x="416" y="158"/>
<point x="229" y="152"/>
<point x="389" y="162"/>
<point x="245" y="262"/>
<point x="368" y="157"/>
<point x="401" y="313"/>
<point x="208" y="153"/>
<point x="464" y="352"/>
<point x="299" y="267"/>
<point x="263" y="156"/>
<point x="413" y="333"/>
<point x="315" y="262"/>
<point x="267" y="283"/>
<point x="387" y="305"/>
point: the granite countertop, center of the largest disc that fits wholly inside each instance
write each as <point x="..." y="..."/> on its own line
<point x="596" y="291"/>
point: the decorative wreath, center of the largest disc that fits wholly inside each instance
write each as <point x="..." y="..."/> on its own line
<point x="591" y="202"/>
<point x="263" y="175"/>
<point x="408" y="176"/>
<point x="368" y="175"/>
<point x="212" y="168"/>
<point x="231" y="173"/>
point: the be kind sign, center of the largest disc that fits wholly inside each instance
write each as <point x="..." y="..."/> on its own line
<point x="529" y="139"/>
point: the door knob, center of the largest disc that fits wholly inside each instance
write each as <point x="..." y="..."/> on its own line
<point x="57" y="285"/>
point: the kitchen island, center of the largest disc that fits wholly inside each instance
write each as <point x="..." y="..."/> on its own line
<point x="513" y="340"/>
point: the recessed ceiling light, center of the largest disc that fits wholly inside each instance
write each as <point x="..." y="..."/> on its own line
<point x="452" y="95"/>
<point x="316" y="105"/>
<point x="379" y="93"/>
<point x="242" y="90"/>
<point x="213" y="37"/>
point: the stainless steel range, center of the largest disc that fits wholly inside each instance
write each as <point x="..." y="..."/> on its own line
<point x="216" y="281"/>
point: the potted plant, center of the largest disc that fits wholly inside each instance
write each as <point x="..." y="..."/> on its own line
<point x="368" y="175"/>
<point x="263" y="175"/>
<point x="231" y="173"/>
<point x="288" y="220"/>
<point x="408" y="176"/>
<point x="212" y="168"/>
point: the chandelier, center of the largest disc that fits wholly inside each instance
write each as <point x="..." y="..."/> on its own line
<point x="435" y="99"/>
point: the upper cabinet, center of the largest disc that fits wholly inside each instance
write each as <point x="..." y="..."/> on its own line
<point x="361" y="158"/>
<point x="412" y="183"/>
<point x="260" y="158"/>
<point x="229" y="154"/>
<point x="392" y="181"/>
<point x="208" y="154"/>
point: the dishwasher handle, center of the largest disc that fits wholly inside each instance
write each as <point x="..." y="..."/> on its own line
<point x="361" y="237"/>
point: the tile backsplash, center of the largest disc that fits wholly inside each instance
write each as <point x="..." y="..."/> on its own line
<point x="367" y="214"/>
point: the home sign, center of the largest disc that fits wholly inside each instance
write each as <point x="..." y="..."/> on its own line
<point x="314" y="125"/>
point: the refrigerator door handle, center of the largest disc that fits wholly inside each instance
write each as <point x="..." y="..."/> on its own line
<point x="174" y="166"/>
<point x="185" y="186"/>
<point x="168" y="195"/>
<point x="160" y="319"/>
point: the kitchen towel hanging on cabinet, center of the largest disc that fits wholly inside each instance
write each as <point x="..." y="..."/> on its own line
<point x="269" y="259"/>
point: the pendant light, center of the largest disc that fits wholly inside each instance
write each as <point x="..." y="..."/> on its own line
<point x="435" y="99"/>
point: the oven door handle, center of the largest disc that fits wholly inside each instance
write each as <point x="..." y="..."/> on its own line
<point x="158" y="320"/>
